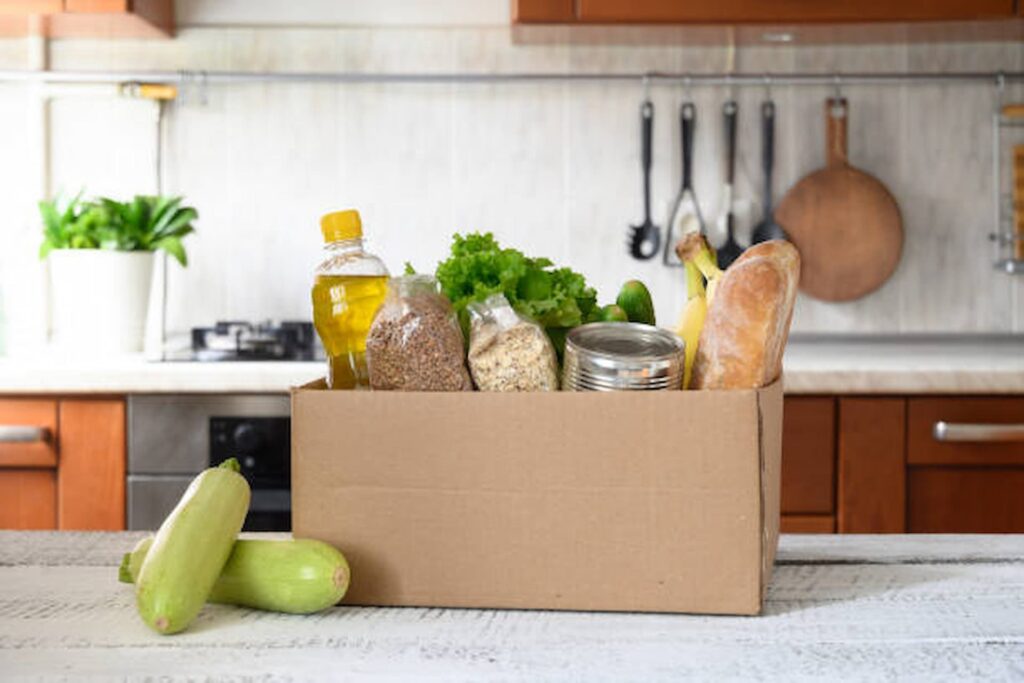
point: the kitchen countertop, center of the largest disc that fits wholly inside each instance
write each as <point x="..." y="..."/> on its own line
<point x="891" y="365"/>
<point x="839" y="607"/>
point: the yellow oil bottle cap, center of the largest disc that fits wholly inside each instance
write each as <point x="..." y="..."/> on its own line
<point x="341" y="225"/>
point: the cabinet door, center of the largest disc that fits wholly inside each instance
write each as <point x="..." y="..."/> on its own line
<point x="91" y="478"/>
<point x="789" y="11"/>
<point x="28" y="499"/>
<point x="872" y="466"/>
<point x="808" y="455"/>
<point x="949" y="500"/>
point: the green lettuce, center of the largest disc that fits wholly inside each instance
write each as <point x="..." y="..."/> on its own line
<point x="557" y="298"/>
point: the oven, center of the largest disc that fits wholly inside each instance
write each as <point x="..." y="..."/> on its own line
<point x="173" y="437"/>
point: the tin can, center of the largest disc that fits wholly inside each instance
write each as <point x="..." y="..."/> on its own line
<point x="622" y="357"/>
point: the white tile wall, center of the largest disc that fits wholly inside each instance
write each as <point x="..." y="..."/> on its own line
<point x="551" y="168"/>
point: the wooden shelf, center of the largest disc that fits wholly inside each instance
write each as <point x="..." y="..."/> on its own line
<point x="87" y="18"/>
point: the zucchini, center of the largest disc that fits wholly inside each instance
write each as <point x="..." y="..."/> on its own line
<point x="191" y="548"/>
<point x="299" y="576"/>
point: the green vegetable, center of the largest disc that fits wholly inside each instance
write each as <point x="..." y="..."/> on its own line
<point x="191" y="548"/>
<point x="557" y="298"/>
<point x="143" y="224"/>
<point x="613" y="313"/>
<point x="636" y="301"/>
<point x="299" y="576"/>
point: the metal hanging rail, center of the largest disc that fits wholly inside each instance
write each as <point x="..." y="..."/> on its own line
<point x="186" y="78"/>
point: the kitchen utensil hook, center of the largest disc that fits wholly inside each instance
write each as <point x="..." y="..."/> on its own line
<point x="767" y="86"/>
<point x="837" y="87"/>
<point x="688" y="88"/>
<point x="647" y="87"/>
<point x="1000" y="90"/>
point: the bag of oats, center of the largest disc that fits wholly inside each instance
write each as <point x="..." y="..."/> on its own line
<point x="508" y="352"/>
<point x="415" y="343"/>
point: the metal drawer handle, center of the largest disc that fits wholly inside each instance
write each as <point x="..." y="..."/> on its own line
<point x="23" y="434"/>
<point x="957" y="431"/>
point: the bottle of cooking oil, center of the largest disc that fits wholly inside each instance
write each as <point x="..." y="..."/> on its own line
<point x="349" y="288"/>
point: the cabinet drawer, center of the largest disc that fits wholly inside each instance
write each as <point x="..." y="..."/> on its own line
<point x="965" y="500"/>
<point x="979" y="431"/>
<point x="28" y="433"/>
<point x="808" y="455"/>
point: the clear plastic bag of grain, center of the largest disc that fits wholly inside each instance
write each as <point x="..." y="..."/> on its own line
<point x="415" y="342"/>
<point x="508" y="352"/>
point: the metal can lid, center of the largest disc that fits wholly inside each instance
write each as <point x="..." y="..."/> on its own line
<point x="623" y="348"/>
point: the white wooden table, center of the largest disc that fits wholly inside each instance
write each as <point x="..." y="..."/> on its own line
<point x="839" y="607"/>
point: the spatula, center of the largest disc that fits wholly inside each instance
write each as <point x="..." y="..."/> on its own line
<point x="685" y="216"/>
<point x="645" y="239"/>
<point x="767" y="229"/>
<point x="731" y="250"/>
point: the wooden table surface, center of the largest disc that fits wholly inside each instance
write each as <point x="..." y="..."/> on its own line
<point x="839" y="607"/>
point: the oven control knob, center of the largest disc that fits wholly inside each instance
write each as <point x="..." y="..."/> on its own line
<point x="246" y="438"/>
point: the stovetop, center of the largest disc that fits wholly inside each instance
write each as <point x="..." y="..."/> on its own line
<point x="264" y="341"/>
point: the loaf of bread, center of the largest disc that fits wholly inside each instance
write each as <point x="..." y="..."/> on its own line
<point x="744" y="336"/>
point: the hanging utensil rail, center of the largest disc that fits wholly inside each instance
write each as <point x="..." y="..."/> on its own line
<point x="202" y="78"/>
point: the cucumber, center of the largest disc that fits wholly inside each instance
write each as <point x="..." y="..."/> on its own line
<point x="299" y="576"/>
<point x="635" y="300"/>
<point x="191" y="547"/>
<point x="613" y="313"/>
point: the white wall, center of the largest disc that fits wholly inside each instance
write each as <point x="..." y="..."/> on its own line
<point x="551" y="168"/>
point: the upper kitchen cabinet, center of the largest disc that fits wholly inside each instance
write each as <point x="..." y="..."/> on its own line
<point x="88" y="18"/>
<point x="786" y="21"/>
<point x="761" y="11"/>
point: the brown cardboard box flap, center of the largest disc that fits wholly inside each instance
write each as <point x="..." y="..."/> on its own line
<point x="645" y="501"/>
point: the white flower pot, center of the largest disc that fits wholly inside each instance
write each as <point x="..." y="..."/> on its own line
<point x="99" y="299"/>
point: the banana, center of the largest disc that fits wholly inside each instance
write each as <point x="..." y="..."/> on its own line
<point x="692" y="320"/>
<point x="695" y="253"/>
<point x="693" y="248"/>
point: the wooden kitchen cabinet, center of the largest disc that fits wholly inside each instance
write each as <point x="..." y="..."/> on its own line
<point x="91" y="476"/>
<point x="972" y="448"/>
<point x="28" y="498"/>
<point x="969" y="500"/>
<point x="871" y="482"/>
<point x="71" y="473"/>
<point x="22" y="7"/>
<point x="88" y="18"/>
<point x="756" y="11"/>
<point x="808" y="464"/>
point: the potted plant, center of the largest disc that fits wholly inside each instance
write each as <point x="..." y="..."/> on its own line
<point x="100" y="256"/>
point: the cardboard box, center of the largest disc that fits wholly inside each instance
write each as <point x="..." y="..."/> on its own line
<point x="631" y="501"/>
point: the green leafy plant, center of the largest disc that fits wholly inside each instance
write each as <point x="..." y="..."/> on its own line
<point x="557" y="298"/>
<point x="146" y="223"/>
<point x="70" y="225"/>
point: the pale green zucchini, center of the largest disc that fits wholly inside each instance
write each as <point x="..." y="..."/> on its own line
<point x="191" y="547"/>
<point x="299" y="576"/>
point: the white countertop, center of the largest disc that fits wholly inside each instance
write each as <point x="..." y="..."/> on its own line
<point x="838" y="608"/>
<point x="978" y="365"/>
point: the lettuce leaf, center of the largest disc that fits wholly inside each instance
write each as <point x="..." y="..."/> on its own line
<point x="557" y="298"/>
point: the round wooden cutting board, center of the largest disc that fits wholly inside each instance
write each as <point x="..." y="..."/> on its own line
<point x="844" y="222"/>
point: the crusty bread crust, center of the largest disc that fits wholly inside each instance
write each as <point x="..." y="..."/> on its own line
<point x="745" y="334"/>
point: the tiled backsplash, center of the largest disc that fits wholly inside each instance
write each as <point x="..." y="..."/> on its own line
<point x="551" y="168"/>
